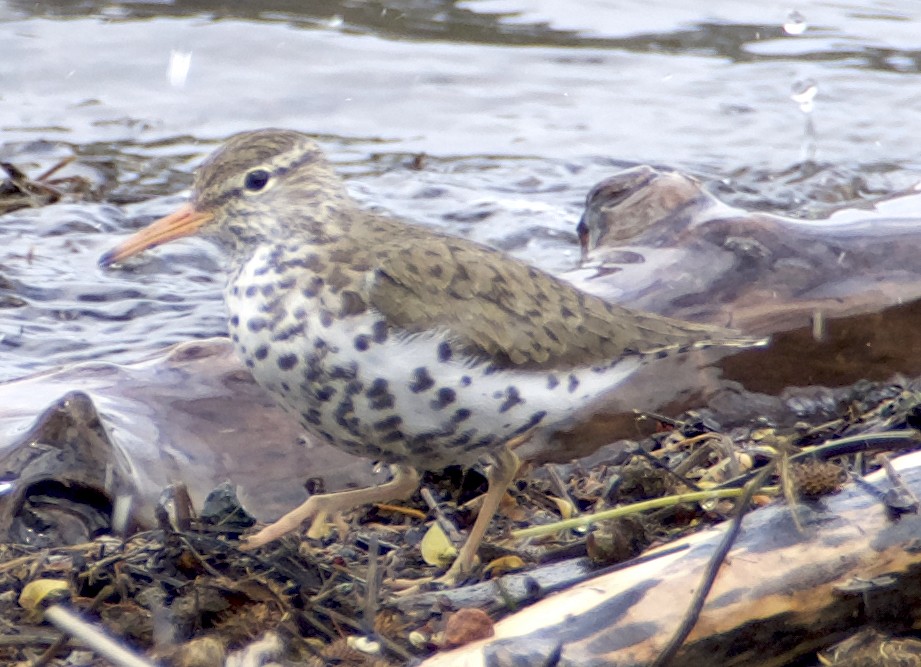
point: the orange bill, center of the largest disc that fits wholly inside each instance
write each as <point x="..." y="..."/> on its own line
<point x="185" y="221"/>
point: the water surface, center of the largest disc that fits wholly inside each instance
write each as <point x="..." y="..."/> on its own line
<point x="518" y="106"/>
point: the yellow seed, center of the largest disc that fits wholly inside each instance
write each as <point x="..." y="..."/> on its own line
<point x="43" y="592"/>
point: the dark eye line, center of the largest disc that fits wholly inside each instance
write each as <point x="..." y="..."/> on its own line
<point x="255" y="180"/>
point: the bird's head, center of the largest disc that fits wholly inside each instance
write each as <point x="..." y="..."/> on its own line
<point x="259" y="186"/>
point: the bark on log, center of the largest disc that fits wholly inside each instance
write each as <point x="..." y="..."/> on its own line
<point x="779" y="595"/>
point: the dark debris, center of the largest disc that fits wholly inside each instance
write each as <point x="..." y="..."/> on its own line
<point x="178" y="595"/>
<point x="18" y="191"/>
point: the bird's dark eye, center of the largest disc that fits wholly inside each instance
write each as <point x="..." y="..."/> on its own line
<point x="256" y="180"/>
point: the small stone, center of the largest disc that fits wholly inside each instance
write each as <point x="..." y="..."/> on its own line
<point x="202" y="652"/>
<point x="467" y="625"/>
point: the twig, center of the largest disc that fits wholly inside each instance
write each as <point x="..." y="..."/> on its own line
<point x="63" y="638"/>
<point x="713" y="568"/>
<point x="317" y="625"/>
<point x="697" y="454"/>
<point x="899" y="499"/>
<point x="900" y="488"/>
<point x="789" y="491"/>
<point x="655" y="503"/>
<point x="446" y="524"/>
<point x="852" y="444"/>
<point x="55" y="168"/>
<point x="560" y="487"/>
<point x="69" y="622"/>
<point x="354" y="625"/>
<point x="373" y="586"/>
<point x="664" y="468"/>
<point x="201" y="559"/>
<point x="655" y="416"/>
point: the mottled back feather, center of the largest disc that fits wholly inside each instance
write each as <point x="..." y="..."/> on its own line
<point x="498" y="307"/>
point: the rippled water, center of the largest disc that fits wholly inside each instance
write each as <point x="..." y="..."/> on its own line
<point x="518" y="105"/>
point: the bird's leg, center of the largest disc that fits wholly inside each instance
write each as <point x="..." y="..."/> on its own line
<point x="405" y="481"/>
<point x="500" y="475"/>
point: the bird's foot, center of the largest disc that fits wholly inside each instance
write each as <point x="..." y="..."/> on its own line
<point x="317" y="508"/>
<point x="288" y="523"/>
<point x="459" y="571"/>
<point x="404" y="588"/>
<point x="455" y="575"/>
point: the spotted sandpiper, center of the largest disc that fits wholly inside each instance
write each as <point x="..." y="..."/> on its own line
<point x="396" y="342"/>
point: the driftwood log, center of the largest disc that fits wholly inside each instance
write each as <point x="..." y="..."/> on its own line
<point x="781" y="593"/>
<point x="658" y="240"/>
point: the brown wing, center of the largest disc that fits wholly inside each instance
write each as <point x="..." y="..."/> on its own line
<point x="496" y="306"/>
